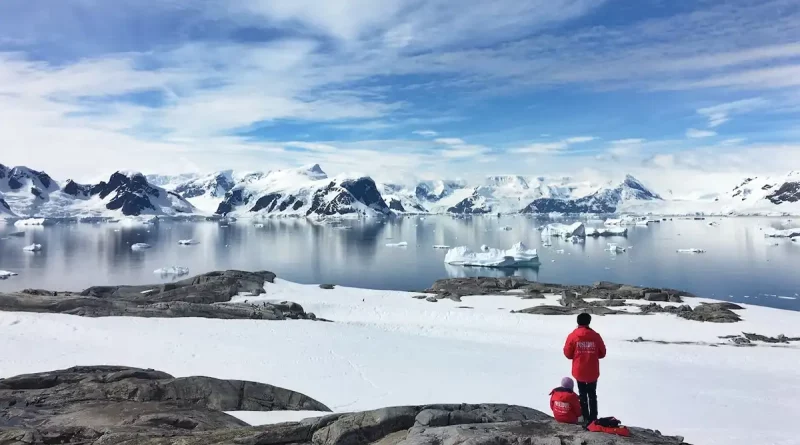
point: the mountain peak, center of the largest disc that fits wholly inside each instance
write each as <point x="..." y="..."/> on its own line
<point x="314" y="171"/>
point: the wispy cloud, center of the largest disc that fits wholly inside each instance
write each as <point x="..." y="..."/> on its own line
<point x="426" y="133"/>
<point x="554" y="147"/>
<point x="629" y="141"/>
<point x="719" y="114"/>
<point x="694" y="133"/>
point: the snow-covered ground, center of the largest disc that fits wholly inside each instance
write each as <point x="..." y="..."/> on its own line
<point x="387" y="348"/>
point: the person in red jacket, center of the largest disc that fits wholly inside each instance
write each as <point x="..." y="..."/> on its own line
<point x="585" y="348"/>
<point x="564" y="402"/>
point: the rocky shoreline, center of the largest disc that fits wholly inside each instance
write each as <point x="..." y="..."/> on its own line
<point x="108" y="405"/>
<point x="205" y="296"/>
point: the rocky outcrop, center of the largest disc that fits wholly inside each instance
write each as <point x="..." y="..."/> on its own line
<point x="188" y="419"/>
<point x="709" y="312"/>
<point x="601" y="290"/>
<point x="207" y="296"/>
<point x="89" y="399"/>
<point x="574" y="298"/>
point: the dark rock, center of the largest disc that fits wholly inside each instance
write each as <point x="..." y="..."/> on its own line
<point x="411" y="425"/>
<point x="724" y="305"/>
<point x="562" y="310"/>
<point x="674" y="298"/>
<point x="713" y="313"/>
<point x="420" y="297"/>
<point x="626" y="292"/>
<point x="432" y="299"/>
<point x="327" y="286"/>
<point x="606" y="285"/>
<point x="206" y="296"/>
<point x="763" y="338"/>
<point x="572" y="300"/>
<point x="109" y="396"/>
<point x="656" y="296"/>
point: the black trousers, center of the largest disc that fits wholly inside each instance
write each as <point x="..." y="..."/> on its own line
<point x="588" y="396"/>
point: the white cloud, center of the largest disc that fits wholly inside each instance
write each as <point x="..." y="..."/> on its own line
<point x="631" y="141"/>
<point x="552" y="147"/>
<point x="719" y="114"/>
<point x="579" y="139"/>
<point x="694" y="133"/>
<point x="311" y="146"/>
<point x="541" y="148"/>
<point x="426" y="133"/>
<point x="449" y="141"/>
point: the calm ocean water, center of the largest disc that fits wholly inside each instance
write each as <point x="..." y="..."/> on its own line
<point x="740" y="264"/>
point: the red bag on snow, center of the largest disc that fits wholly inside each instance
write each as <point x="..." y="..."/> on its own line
<point x="609" y="425"/>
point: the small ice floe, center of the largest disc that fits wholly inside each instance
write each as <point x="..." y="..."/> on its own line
<point x="33" y="248"/>
<point x="614" y="248"/>
<point x="506" y="228"/>
<point x="786" y="298"/>
<point x="187" y="242"/>
<point x="32" y="222"/>
<point x="692" y="250"/>
<point x="6" y="274"/>
<point x="785" y="233"/>
<point x="400" y="244"/>
<point x="258" y="226"/>
<point x="140" y="246"/>
<point x="440" y="246"/>
<point x="484" y="248"/>
<point x="546" y="243"/>
<point x="713" y="223"/>
<point x="607" y="231"/>
<point x="577" y="239"/>
<point x="172" y="271"/>
<point x="560" y="251"/>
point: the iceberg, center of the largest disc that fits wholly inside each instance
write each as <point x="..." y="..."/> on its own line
<point x="627" y="221"/>
<point x="6" y="274"/>
<point x="188" y="242"/>
<point x="400" y="244"/>
<point x="614" y="248"/>
<point x="172" y="270"/>
<point x="564" y="230"/>
<point x="517" y="256"/>
<point x="33" y="248"/>
<point x="32" y="222"/>
<point x="607" y="231"/>
<point x="693" y="250"/>
<point x="140" y="246"/>
<point x="786" y="233"/>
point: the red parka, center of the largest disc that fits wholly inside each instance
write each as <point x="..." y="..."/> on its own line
<point x="585" y="348"/>
<point x="565" y="405"/>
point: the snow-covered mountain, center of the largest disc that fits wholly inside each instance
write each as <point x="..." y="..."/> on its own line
<point x="127" y="192"/>
<point x="309" y="192"/>
<point x="607" y="199"/>
<point x="305" y="192"/>
<point x="25" y="192"/>
<point x="206" y="192"/>
<point x="23" y="189"/>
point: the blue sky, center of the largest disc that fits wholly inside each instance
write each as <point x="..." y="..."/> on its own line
<point x="403" y="88"/>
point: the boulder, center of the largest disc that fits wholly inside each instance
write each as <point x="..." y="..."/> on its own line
<point x="327" y="286"/>
<point x="606" y="285"/>
<point x="107" y="396"/>
<point x="656" y="296"/>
